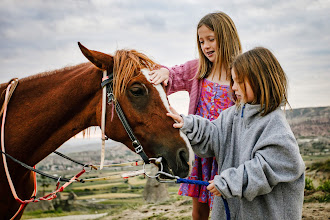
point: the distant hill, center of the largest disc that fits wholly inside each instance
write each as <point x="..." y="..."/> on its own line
<point x="309" y="122"/>
<point x="311" y="127"/>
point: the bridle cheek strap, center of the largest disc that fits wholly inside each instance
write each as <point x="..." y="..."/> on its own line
<point x="104" y="103"/>
<point x="108" y="92"/>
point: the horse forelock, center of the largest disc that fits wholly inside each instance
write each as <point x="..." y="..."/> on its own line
<point x="127" y="65"/>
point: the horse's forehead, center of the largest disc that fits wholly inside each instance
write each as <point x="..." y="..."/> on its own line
<point x="146" y="72"/>
<point x="159" y="88"/>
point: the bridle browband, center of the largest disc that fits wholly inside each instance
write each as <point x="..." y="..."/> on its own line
<point x="107" y="82"/>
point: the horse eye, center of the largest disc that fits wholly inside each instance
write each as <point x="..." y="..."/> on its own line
<point x="137" y="90"/>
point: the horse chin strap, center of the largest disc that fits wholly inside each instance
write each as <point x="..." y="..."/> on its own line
<point x="107" y="83"/>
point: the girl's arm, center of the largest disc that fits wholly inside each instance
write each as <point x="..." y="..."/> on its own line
<point x="203" y="134"/>
<point x="177" y="78"/>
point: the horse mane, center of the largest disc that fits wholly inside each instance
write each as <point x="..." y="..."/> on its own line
<point x="49" y="73"/>
<point x="46" y="73"/>
<point x="127" y="65"/>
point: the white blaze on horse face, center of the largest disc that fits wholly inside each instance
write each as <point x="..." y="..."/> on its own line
<point x="163" y="97"/>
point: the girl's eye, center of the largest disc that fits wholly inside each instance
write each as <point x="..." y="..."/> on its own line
<point x="212" y="39"/>
<point x="201" y="42"/>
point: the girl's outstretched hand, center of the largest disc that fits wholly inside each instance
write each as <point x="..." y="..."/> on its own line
<point x="176" y="117"/>
<point x="159" y="76"/>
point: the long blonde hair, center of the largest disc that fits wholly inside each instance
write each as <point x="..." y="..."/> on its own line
<point x="228" y="43"/>
<point x="260" y="68"/>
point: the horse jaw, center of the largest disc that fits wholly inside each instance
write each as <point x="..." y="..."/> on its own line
<point x="164" y="99"/>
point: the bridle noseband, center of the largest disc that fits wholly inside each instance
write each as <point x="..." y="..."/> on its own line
<point x="107" y="83"/>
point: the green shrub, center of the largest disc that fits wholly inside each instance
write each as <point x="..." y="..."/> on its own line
<point x="309" y="184"/>
<point x="325" y="186"/>
<point x="325" y="198"/>
<point x="321" y="166"/>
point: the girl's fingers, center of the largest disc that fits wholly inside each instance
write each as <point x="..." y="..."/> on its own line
<point x="166" y="82"/>
<point x="211" y="187"/>
<point x="174" y="111"/>
<point x="177" y="118"/>
<point x="158" y="79"/>
<point x="178" y="125"/>
<point x="217" y="193"/>
<point x="152" y="75"/>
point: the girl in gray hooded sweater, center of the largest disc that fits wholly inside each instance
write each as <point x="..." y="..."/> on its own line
<point x="261" y="170"/>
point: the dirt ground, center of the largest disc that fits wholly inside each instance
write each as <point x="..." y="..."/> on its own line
<point x="182" y="210"/>
<point x="316" y="211"/>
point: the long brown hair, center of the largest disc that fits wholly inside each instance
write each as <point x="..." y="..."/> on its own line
<point x="228" y="43"/>
<point x="260" y="68"/>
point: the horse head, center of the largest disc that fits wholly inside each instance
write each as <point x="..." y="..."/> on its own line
<point x="145" y="106"/>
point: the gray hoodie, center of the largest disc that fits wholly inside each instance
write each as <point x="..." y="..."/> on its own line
<point x="261" y="172"/>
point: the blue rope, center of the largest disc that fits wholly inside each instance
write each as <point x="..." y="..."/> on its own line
<point x="204" y="183"/>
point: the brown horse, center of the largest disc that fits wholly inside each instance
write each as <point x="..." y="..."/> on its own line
<point x="49" y="108"/>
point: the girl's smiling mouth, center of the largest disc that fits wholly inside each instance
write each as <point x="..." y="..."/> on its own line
<point x="210" y="53"/>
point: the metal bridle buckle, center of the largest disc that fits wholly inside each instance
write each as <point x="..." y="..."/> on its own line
<point x="157" y="161"/>
<point x="139" y="149"/>
<point x="111" y="97"/>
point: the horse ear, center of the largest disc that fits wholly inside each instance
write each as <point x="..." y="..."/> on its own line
<point x="101" y="60"/>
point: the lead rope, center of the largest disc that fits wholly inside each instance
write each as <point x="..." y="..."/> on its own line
<point x="12" y="87"/>
<point x="9" y="91"/>
<point x="187" y="181"/>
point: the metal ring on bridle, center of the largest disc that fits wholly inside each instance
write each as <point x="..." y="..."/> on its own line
<point x="157" y="161"/>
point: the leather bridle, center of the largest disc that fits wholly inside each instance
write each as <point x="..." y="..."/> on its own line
<point x="107" y="85"/>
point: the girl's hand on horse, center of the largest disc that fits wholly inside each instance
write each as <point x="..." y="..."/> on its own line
<point x="159" y="76"/>
<point x="176" y="117"/>
<point x="211" y="187"/>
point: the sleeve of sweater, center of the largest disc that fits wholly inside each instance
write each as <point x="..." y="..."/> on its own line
<point x="275" y="159"/>
<point x="203" y="134"/>
<point x="180" y="78"/>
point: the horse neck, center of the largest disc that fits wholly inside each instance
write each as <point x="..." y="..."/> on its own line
<point x="46" y="111"/>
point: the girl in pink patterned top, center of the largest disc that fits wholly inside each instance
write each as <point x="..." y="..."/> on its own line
<point x="207" y="80"/>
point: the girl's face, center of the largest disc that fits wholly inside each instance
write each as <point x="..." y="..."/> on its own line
<point x="208" y="42"/>
<point x="246" y="96"/>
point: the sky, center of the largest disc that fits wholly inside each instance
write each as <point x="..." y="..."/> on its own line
<point x="42" y="35"/>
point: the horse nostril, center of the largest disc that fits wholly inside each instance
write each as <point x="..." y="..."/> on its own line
<point x="183" y="155"/>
